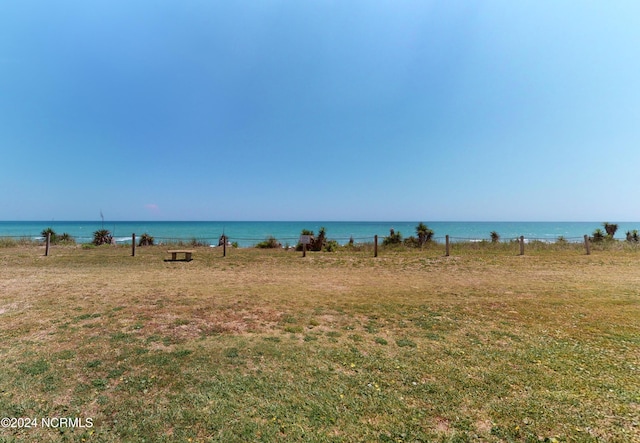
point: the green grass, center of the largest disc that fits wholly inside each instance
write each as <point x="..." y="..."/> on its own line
<point x="484" y="345"/>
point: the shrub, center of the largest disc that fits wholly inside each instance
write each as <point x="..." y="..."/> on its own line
<point x="610" y="229"/>
<point x="270" y="243"/>
<point x="632" y="236"/>
<point x="52" y="233"/>
<point x="424" y="234"/>
<point x="65" y="237"/>
<point x="597" y="236"/>
<point x="305" y="232"/>
<point x="412" y="242"/>
<point x="495" y="237"/>
<point x="393" y="239"/>
<point x="319" y="242"/>
<point x="55" y="238"/>
<point x="331" y="246"/>
<point x="146" y="240"/>
<point x="102" y="237"/>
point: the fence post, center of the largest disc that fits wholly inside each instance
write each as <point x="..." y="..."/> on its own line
<point x="522" y="245"/>
<point x="587" y="245"/>
<point x="224" y="246"/>
<point x="133" y="244"/>
<point x="447" y="245"/>
<point x="46" y="248"/>
<point x="375" y="245"/>
<point x="304" y="249"/>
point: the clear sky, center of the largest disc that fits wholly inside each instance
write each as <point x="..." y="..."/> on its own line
<point x="320" y="110"/>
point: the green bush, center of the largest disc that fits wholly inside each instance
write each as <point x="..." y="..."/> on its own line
<point x="146" y="240"/>
<point x="610" y="229"/>
<point x="102" y="237"/>
<point x="53" y="236"/>
<point x="393" y="239"/>
<point x="269" y="243"/>
<point x="321" y="241"/>
<point x="411" y="242"/>
<point x="317" y="243"/>
<point x="309" y="233"/>
<point x="331" y="246"/>
<point x="424" y="234"/>
<point x="598" y="236"/>
<point x="65" y="237"/>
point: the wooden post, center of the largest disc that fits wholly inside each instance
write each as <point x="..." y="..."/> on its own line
<point x="587" y="244"/>
<point x="224" y="246"/>
<point x="133" y="244"/>
<point x="375" y="245"/>
<point x="304" y="249"/>
<point x="522" y="245"/>
<point x="46" y="248"/>
<point x="447" y="244"/>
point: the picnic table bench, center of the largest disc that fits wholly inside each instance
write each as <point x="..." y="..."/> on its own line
<point x="174" y="254"/>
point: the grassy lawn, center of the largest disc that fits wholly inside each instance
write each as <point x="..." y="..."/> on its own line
<point x="264" y="345"/>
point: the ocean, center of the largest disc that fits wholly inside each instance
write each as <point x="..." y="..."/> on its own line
<point x="248" y="233"/>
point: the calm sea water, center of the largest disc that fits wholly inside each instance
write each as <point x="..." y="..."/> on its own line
<point x="248" y="233"/>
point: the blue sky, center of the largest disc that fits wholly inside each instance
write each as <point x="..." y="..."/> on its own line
<point x="320" y="110"/>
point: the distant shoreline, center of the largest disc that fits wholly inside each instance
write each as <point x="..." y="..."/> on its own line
<point x="248" y="233"/>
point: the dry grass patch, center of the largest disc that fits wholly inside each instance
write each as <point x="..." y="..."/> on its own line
<point x="265" y="345"/>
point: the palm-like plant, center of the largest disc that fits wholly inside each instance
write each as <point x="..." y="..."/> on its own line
<point x="65" y="237"/>
<point x="395" y="238"/>
<point x="424" y="234"/>
<point x="320" y="241"/>
<point x="49" y="231"/>
<point x="598" y="235"/>
<point x="610" y="229"/>
<point x="495" y="237"/>
<point x="146" y="240"/>
<point x="102" y="237"/>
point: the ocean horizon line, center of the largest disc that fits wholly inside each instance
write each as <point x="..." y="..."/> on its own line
<point x="308" y="221"/>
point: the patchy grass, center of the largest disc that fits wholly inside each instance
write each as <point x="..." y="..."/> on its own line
<point x="265" y="345"/>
